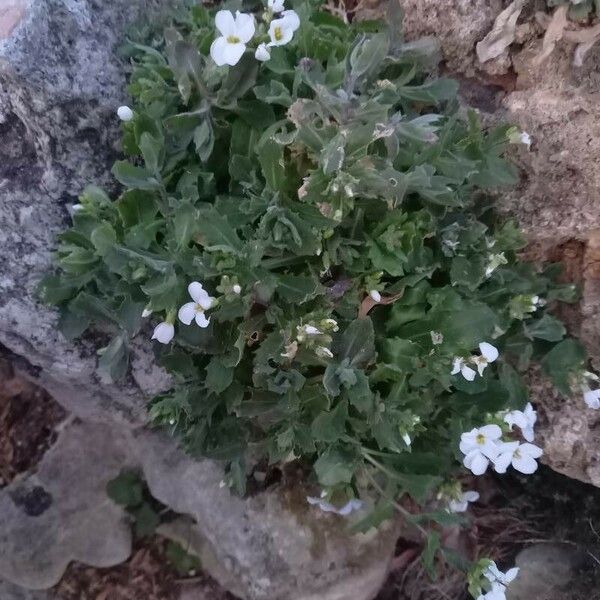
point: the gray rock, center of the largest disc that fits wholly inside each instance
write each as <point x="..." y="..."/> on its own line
<point x="9" y="591"/>
<point x="549" y="572"/>
<point x="62" y="512"/>
<point x="271" y="546"/>
<point x="60" y="85"/>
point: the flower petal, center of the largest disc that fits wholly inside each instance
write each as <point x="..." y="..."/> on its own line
<point x="531" y="450"/>
<point x="206" y="301"/>
<point x="502" y="462"/>
<point x="201" y="320"/>
<point x="244" y="27"/>
<point x="457" y="506"/>
<point x="493" y="432"/>
<point x="196" y="291"/>
<point x="488" y="351"/>
<point x="233" y="53"/>
<point x="187" y="312"/>
<point x="528" y="433"/>
<point x="525" y="464"/>
<point x="292" y="19"/>
<point x="476" y="462"/>
<point x="163" y="332"/>
<point x="217" y="51"/>
<point x="471" y="496"/>
<point x="262" y="53"/>
<point x="511" y="574"/>
<point x="456" y="366"/>
<point x="468" y="373"/>
<point x="225" y="23"/>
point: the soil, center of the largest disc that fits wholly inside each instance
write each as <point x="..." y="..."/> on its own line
<point x="29" y="418"/>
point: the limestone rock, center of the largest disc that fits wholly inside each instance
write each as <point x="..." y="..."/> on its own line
<point x="8" y="591"/>
<point x="550" y="572"/>
<point x="458" y="24"/>
<point x="60" y="84"/>
<point x="62" y="513"/>
<point x="271" y="546"/>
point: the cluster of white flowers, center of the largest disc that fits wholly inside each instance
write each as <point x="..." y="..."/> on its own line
<point x="488" y="355"/>
<point x="325" y="506"/>
<point x="313" y="337"/>
<point x="236" y="31"/>
<point x="484" y="445"/>
<point x="499" y="582"/>
<point x="190" y="311"/>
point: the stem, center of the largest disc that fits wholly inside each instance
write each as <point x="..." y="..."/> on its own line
<point x="407" y="515"/>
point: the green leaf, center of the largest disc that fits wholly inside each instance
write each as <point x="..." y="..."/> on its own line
<point x="151" y="148"/>
<point x="336" y="465"/>
<point x="185" y="219"/>
<point x="330" y="426"/>
<point x="126" y="489"/>
<point x="146" y="520"/>
<point x="356" y="343"/>
<point x="564" y="361"/>
<point x="216" y="231"/>
<point x="298" y="289"/>
<point x="218" y="376"/>
<point x="547" y="328"/>
<point x="134" y="177"/>
<point x="270" y="157"/>
<point x="114" y="359"/>
<point x="204" y="140"/>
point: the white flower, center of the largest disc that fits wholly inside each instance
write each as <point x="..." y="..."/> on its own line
<point x="437" y="338"/>
<point x="330" y="324"/>
<point x="521" y="456"/>
<point x="591" y="397"/>
<point x="76" y="208"/>
<point x="489" y="354"/>
<point x="124" y="113"/>
<point x="235" y="34"/>
<point x="309" y="330"/>
<point x="237" y="289"/>
<point x="494" y="575"/>
<point x="460" y="366"/>
<point x="480" y="445"/>
<point x="323" y="352"/>
<point x="146" y="313"/>
<point x="262" y="52"/>
<point x="275" y="6"/>
<point x="497" y="592"/>
<point x="375" y="295"/>
<point x="461" y="503"/>
<point x="164" y="332"/>
<point x="351" y="505"/>
<point x="524" y="420"/>
<point x="281" y="30"/>
<point x="171" y="421"/>
<point x="195" y="310"/>
<point x="406" y="439"/>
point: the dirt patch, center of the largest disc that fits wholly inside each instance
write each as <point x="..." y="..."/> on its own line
<point x="28" y="421"/>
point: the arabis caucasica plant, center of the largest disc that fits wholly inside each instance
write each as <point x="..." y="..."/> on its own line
<point x="312" y="237"/>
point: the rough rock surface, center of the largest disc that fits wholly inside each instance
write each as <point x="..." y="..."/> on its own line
<point x="271" y="546"/>
<point x="60" y="83"/>
<point x="62" y="513"/>
<point x="548" y="570"/>
<point x="458" y="24"/>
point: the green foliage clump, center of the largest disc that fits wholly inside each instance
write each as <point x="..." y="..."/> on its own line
<point x="333" y="201"/>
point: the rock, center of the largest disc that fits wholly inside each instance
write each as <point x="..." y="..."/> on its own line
<point x="8" y="591"/>
<point x="60" y="85"/>
<point x="458" y="24"/>
<point x="62" y="512"/>
<point x="271" y="546"/>
<point x="546" y="571"/>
